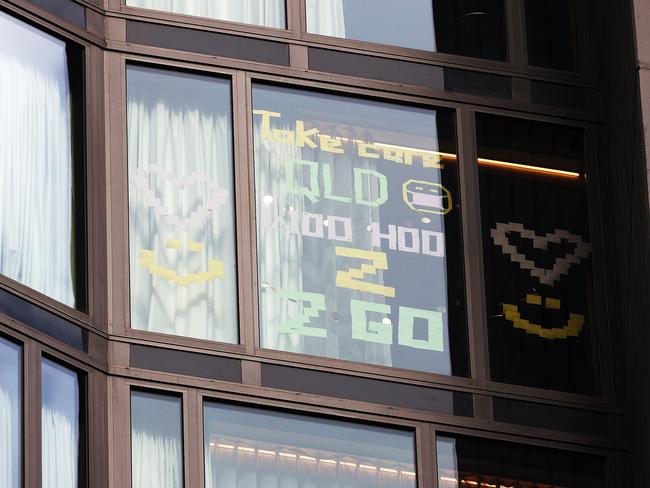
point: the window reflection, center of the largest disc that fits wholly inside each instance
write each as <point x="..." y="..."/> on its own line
<point x="268" y="13"/>
<point x="60" y="426"/>
<point x="156" y="441"/>
<point x="358" y="230"/>
<point x="551" y="34"/>
<point x="253" y="448"/>
<point x="41" y="163"/>
<point x="537" y="249"/>
<point x="181" y="204"/>
<point x="465" y="27"/>
<point x="10" y="414"/>
<point x="465" y="462"/>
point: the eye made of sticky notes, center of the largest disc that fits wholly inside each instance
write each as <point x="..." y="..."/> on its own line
<point x="148" y="261"/>
<point x="427" y="197"/>
<point x="213" y="196"/>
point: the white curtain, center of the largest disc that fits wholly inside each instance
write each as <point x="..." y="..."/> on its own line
<point x="10" y="415"/>
<point x="35" y="161"/>
<point x="59" y="426"/>
<point x="289" y="261"/>
<point x="268" y="13"/>
<point x="181" y="205"/>
<point x="326" y="17"/>
<point x="157" y="460"/>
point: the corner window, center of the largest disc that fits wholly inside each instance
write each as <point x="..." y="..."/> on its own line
<point x="63" y="457"/>
<point x="11" y="444"/>
<point x="181" y="204"/>
<point x="473" y="28"/>
<point x="258" y="448"/>
<point x="537" y="254"/>
<point x="466" y="461"/>
<point x="358" y="230"/>
<point x="156" y="440"/>
<point x="267" y="13"/>
<point x="42" y="203"/>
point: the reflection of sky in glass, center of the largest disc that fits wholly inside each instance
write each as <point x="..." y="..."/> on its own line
<point x="156" y="414"/>
<point x="60" y="390"/>
<point x="10" y="414"/>
<point x="296" y="258"/>
<point x="407" y="23"/>
<point x="316" y="451"/>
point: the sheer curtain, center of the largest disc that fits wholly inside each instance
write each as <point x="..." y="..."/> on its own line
<point x="181" y="215"/>
<point x="268" y="13"/>
<point x="36" y="161"/>
<point x="290" y="261"/>
<point x="156" y="441"/>
<point x="326" y="17"/>
<point x="59" y="426"/>
<point x="10" y="415"/>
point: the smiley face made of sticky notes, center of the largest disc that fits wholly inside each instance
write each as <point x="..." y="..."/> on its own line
<point x="196" y="221"/>
<point x="561" y="267"/>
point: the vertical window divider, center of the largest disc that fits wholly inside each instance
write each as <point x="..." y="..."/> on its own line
<point x="119" y="432"/>
<point x="245" y="213"/>
<point x="193" y="415"/>
<point x="517" y="45"/>
<point x="472" y="246"/>
<point x="117" y="187"/>
<point x="32" y="398"/>
<point x="602" y="253"/>
<point x="296" y="17"/>
<point x="96" y="414"/>
<point x="424" y="458"/>
<point x="434" y="456"/>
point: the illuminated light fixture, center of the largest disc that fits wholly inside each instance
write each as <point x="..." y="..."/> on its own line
<point x="245" y="449"/>
<point x="306" y="458"/>
<point x="226" y="446"/>
<point x="368" y="467"/>
<point x="388" y="470"/>
<point x="264" y="451"/>
<point x="347" y="464"/>
<point x="328" y="461"/>
<point x="485" y="161"/>
<point x="529" y="167"/>
<point x="408" y="473"/>
<point x="288" y="455"/>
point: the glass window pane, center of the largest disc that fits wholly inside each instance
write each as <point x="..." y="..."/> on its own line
<point x="10" y="414"/>
<point x="60" y="423"/>
<point x="156" y="441"/>
<point x="466" y="461"/>
<point x="358" y="230"/>
<point x="254" y="448"/>
<point x="465" y="27"/>
<point x="181" y="204"/>
<point x="537" y="254"/>
<point x="268" y="13"/>
<point x="551" y="34"/>
<point x="41" y="157"/>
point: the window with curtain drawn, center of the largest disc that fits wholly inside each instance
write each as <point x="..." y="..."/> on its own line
<point x="358" y="230"/>
<point x="266" y="13"/>
<point x="62" y="438"/>
<point x="11" y="442"/>
<point x="181" y="204"/>
<point x="468" y="462"/>
<point x="537" y="254"/>
<point x="156" y="440"/>
<point x="250" y="447"/>
<point x="42" y="203"/>
<point x="475" y="28"/>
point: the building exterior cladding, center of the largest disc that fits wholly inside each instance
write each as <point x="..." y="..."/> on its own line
<point x="324" y="243"/>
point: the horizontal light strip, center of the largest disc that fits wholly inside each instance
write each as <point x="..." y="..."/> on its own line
<point x="485" y="161"/>
<point x="529" y="167"/>
<point x="290" y="455"/>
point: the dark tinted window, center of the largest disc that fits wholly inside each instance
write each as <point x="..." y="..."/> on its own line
<point x="468" y="462"/>
<point x="466" y="27"/>
<point x="537" y="253"/>
<point x="551" y="34"/>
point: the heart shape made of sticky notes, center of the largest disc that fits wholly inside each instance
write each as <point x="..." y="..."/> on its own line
<point x="561" y="265"/>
